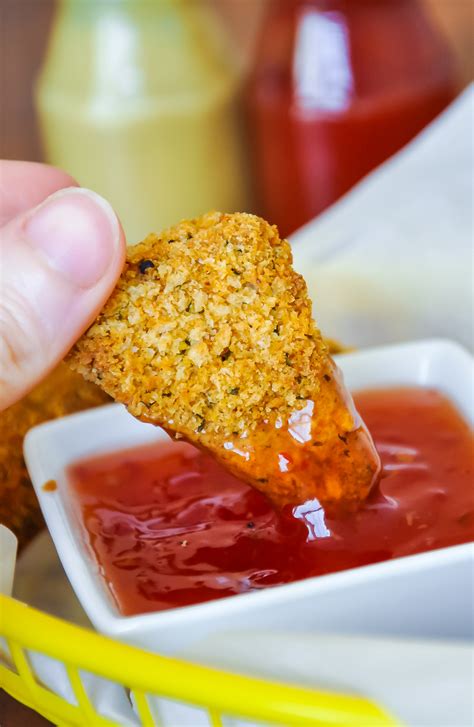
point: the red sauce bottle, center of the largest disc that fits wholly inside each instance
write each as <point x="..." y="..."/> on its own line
<point x="337" y="87"/>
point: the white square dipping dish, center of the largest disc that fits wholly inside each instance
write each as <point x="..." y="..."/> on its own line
<point x="420" y="595"/>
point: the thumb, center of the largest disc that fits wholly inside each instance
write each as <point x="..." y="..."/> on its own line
<point x="58" y="264"/>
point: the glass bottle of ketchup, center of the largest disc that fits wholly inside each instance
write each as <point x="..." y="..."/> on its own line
<point x="337" y="87"/>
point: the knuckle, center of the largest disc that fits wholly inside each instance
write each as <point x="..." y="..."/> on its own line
<point x="19" y="337"/>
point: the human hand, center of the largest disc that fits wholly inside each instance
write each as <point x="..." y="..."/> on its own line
<point x="62" y="249"/>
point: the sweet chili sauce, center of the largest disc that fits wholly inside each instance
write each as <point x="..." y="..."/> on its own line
<point x="169" y="527"/>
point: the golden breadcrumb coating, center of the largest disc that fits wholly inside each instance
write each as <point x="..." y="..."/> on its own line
<point x="209" y="333"/>
<point x="62" y="392"/>
<point x="208" y="330"/>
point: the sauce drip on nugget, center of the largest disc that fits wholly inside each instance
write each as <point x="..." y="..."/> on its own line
<point x="209" y="334"/>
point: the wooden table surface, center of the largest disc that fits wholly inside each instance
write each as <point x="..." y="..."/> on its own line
<point x="24" y="26"/>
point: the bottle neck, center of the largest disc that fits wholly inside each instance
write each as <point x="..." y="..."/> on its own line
<point x="163" y="47"/>
<point x="93" y="4"/>
<point x="95" y="8"/>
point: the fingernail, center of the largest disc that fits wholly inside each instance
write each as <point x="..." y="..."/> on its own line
<point x="77" y="232"/>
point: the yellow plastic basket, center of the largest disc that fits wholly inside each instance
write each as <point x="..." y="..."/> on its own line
<point x="144" y="674"/>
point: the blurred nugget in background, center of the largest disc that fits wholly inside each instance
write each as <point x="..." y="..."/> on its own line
<point x="62" y="392"/>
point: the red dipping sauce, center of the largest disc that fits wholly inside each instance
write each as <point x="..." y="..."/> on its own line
<point x="169" y="527"/>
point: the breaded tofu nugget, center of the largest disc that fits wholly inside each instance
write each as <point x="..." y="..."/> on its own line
<point x="209" y="333"/>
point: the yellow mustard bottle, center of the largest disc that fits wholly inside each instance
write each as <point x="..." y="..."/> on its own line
<point x="137" y="99"/>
